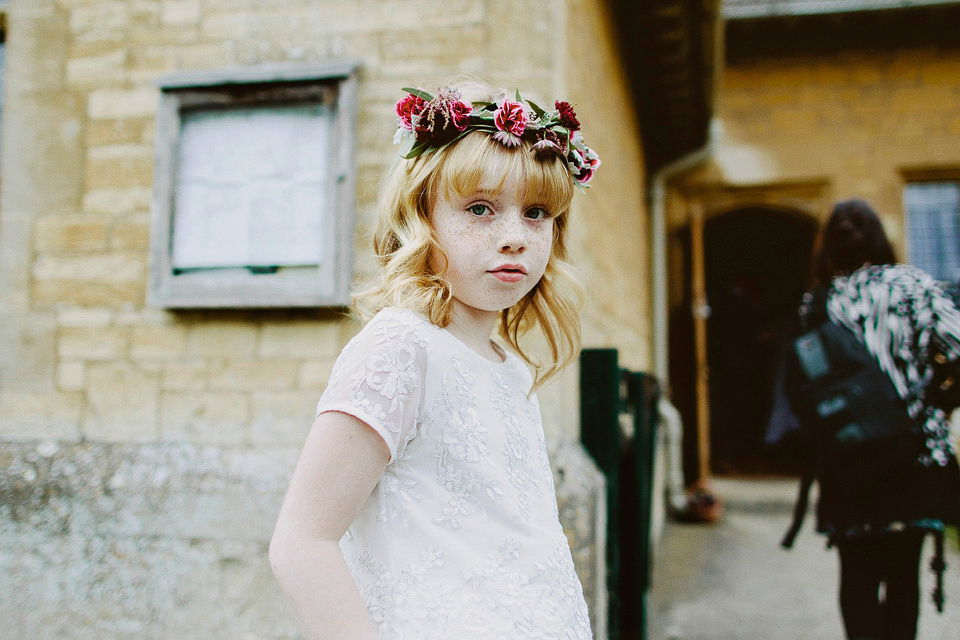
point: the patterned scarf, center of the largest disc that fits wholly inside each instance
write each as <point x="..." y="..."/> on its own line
<point x="894" y="310"/>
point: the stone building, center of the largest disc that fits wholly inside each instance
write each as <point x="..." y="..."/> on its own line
<point x="158" y="373"/>
<point x="817" y="101"/>
<point x="152" y="404"/>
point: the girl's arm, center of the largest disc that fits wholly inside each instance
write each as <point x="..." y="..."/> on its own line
<point x="341" y="463"/>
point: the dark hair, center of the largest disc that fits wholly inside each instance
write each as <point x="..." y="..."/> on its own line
<point x="853" y="236"/>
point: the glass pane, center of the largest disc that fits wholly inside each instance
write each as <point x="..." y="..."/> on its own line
<point x="933" y="214"/>
<point x="251" y="187"/>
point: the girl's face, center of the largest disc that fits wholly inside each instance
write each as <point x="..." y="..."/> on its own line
<point x="497" y="244"/>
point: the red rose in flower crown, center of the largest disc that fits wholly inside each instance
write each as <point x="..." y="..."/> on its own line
<point x="511" y="121"/>
<point x="407" y="108"/>
<point x="442" y="118"/>
<point x="568" y="117"/>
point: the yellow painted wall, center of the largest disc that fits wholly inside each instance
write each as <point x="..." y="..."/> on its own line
<point x="856" y="119"/>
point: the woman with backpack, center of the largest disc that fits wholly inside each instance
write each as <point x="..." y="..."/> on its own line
<point x="911" y="328"/>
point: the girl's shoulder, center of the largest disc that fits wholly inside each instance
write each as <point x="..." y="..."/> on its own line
<point x="400" y="316"/>
<point x="389" y="330"/>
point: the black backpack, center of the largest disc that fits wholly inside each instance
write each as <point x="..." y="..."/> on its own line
<point x="862" y="440"/>
<point x="852" y="414"/>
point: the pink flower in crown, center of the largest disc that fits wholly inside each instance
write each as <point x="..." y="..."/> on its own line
<point x="583" y="164"/>
<point x="591" y="162"/>
<point x="407" y="108"/>
<point x="441" y="119"/>
<point x="549" y="141"/>
<point x="511" y="121"/>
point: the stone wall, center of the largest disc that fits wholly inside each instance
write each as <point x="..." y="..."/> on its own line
<point x="85" y="357"/>
<point x="162" y="540"/>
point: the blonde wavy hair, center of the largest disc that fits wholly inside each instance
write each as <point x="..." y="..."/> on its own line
<point x="404" y="239"/>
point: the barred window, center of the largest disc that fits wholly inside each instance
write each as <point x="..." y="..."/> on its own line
<point x="933" y="227"/>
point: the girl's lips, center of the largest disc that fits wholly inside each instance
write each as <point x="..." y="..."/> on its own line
<point x="509" y="273"/>
<point x="508" y="276"/>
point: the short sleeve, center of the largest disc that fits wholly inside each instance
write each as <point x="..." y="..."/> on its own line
<point x="378" y="377"/>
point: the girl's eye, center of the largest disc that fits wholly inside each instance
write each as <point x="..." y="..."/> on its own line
<point x="537" y="213"/>
<point x="478" y="209"/>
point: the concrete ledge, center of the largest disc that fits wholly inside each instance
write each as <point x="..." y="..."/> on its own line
<point x="169" y="540"/>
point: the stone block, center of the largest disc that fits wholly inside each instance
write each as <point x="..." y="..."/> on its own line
<point x="204" y="417"/>
<point x="281" y="419"/>
<point x="131" y="234"/>
<point x="107" y="68"/>
<point x="93" y="343"/>
<point x="117" y="201"/>
<point x="184" y="375"/>
<point x="69" y="234"/>
<point x="93" y="16"/>
<point x="119" y="166"/>
<point x="15" y="255"/>
<point x="27" y="351"/>
<point x="224" y="26"/>
<point x="108" y="267"/>
<point x="85" y="317"/>
<point x="180" y="12"/>
<point x="30" y="415"/>
<point x="204" y="56"/>
<point x="315" y="374"/>
<point x="123" y="403"/>
<point x="50" y="294"/>
<point x="299" y="339"/>
<point x="71" y="375"/>
<point x="158" y="342"/>
<point x="223" y="339"/>
<point x="252" y="375"/>
<point x="118" y="104"/>
<point x="110" y="132"/>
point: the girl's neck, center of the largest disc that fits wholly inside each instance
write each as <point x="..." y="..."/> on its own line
<point x="473" y="328"/>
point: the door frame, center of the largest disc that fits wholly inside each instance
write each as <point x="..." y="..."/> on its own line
<point x="695" y="204"/>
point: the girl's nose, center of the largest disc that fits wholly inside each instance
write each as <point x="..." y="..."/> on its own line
<point x="512" y="236"/>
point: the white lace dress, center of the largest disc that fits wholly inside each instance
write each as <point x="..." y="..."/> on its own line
<point x="461" y="537"/>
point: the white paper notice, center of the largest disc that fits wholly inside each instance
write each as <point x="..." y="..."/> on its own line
<point x="252" y="187"/>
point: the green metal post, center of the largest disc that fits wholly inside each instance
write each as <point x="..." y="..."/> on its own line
<point x="600" y="434"/>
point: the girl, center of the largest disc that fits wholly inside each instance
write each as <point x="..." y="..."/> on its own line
<point x="423" y="504"/>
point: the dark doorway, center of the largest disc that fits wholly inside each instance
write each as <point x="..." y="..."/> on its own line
<point x="757" y="265"/>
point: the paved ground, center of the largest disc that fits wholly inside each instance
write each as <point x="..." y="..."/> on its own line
<point x="732" y="581"/>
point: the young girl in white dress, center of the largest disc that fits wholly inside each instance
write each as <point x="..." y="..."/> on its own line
<point x="423" y="504"/>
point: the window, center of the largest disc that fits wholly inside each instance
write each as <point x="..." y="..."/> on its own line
<point x="254" y="188"/>
<point x="933" y="227"/>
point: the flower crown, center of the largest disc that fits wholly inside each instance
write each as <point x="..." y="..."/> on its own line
<point x="431" y="123"/>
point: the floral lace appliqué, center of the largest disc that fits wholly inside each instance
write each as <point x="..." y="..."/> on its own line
<point x="462" y="452"/>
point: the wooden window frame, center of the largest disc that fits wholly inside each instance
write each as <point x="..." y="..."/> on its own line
<point x="323" y="285"/>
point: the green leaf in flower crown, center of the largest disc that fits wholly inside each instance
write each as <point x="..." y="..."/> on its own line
<point x="536" y="108"/>
<point x="519" y="99"/>
<point x="417" y="149"/>
<point x="420" y="93"/>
